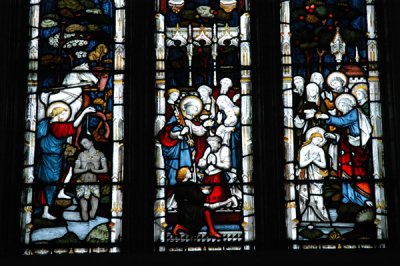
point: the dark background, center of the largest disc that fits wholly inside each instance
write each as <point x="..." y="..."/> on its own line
<point x="137" y="246"/>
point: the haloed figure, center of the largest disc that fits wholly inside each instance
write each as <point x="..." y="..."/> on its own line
<point x="312" y="163"/>
<point x="360" y="91"/>
<point x="172" y="102"/>
<point x="52" y="135"/>
<point x="353" y="149"/>
<point x="88" y="165"/>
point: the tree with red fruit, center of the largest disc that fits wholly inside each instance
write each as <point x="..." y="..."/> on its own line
<point x="314" y="23"/>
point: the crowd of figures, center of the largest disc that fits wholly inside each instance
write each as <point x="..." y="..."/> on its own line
<point x="333" y="136"/>
<point x="201" y="147"/>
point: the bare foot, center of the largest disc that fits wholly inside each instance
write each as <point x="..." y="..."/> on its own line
<point x="92" y="214"/>
<point x="62" y="195"/>
<point x="369" y="203"/>
<point x="84" y="216"/>
<point x="48" y="216"/>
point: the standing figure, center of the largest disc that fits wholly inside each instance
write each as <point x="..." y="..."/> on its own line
<point x="72" y="93"/>
<point x="305" y="119"/>
<point x="318" y="79"/>
<point x="228" y="119"/>
<point x="299" y="85"/>
<point x="229" y="90"/>
<point x="298" y="82"/>
<point x="202" y="63"/>
<point x="353" y="149"/>
<point x="182" y="138"/>
<point x="173" y="95"/>
<point x="52" y="134"/>
<point x="299" y="97"/>
<point x="337" y="82"/>
<point x="312" y="163"/>
<point x="360" y="91"/>
<point x="88" y="165"/>
<point x="209" y="105"/>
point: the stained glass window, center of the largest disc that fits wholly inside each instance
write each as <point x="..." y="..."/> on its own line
<point x="334" y="172"/>
<point x="74" y="140"/>
<point x="203" y="127"/>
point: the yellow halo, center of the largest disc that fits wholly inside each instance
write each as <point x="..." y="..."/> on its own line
<point x="191" y="100"/>
<point x="63" y="105"/>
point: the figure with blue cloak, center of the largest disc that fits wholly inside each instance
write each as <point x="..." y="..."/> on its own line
<point x="52" y="134"/>
<point x="353" y="149"/>
<point x="183" y="137"/>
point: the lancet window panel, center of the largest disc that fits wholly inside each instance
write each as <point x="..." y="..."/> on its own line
<point x="203" y="126"/>
<point x="74" y="133"/>
<point x="334" y="172"/>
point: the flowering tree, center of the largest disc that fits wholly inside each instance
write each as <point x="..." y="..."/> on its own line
<point x="73" y="31"/>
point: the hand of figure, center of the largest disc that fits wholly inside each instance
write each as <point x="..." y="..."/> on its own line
<point x="208" y="123"/>
<point x="329" y="95"/>
<point x="322" y="116"/>
<point x="316" y="156"/>
<point x="229" y="129"/>
<point x="330" y="136"/>
<point x="88" y="168"/>
<point x="184" y="131"/>
<point x="204" y="117"/>
<point x="44" y="97"/>
<point x="211" y="159"/>
<point x="190" y="142"/>
<point x="236" y="97"/>
<point x="90" y="109"/>
<point x="219" y="117"/>
<point x="310" y="113"/>
<point x="298" y="122"/>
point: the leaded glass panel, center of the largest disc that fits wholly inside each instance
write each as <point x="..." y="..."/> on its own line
<point x="74" y="140"/>
<point x="334" y="174"/>
<point x="203" y="128"/>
